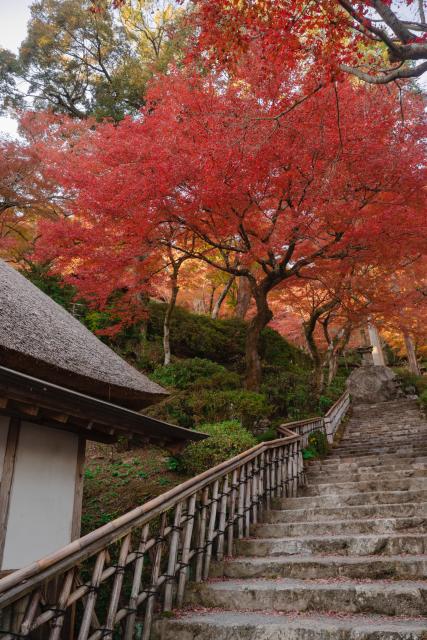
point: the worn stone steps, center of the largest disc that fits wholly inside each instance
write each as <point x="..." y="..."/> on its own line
<point x="342" y="452"/>
<point x="316" y="477"/>
<point x="344" y="560"/>
<point x="351" y="544"/>
<point x="321" y="566"/>
<point x="399" y="461"/>
<point x="391" y="598"/>
<point x="316" y="514"/>
<point x="362" y="486"/>
<point x="223" y="625"/>
<point x="353" y="499"/>
<point x="335" y="527"/>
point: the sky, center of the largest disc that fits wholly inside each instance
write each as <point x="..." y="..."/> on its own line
<point x="14" y="15"/>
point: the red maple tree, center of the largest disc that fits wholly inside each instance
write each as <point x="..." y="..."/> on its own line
<point x="330" y="37"/>
<point x="265" y="191"/>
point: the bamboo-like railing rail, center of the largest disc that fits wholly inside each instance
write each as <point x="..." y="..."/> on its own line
<point x="328" y="424"/>
<point x="115" y="579"/>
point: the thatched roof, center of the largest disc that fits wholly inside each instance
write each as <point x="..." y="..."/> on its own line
<point x="40" y="338"/>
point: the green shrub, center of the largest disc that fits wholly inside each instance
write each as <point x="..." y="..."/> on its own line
<point x="193" y="335"/>
<point x="218" y="405"/>
<point x="227" y="439"/>
<point x="289" y="392"/>
<point x="197" y="372"/>
<point x="408" y="380"/>
<point x="175" y="409"/>
<point x="192" y="408"/>
<point x="223" y="341"/>
<point x="317" y="445"/>
<point x="423" y="400"/>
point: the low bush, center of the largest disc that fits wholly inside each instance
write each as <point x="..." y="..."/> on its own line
<point x="317" y="446"/>
<point x="217" y="405"/>
<point x="191" y="408"/>
<point x="289" y="391"/>
<point x="423" y="400"/>
<point x="227" y="439"/>
<point x="411" y="382"/>
<point x="223" y="341"/>
<point x="195" y="372"/>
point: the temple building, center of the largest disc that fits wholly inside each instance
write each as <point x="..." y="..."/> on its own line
<point x="59" y="386"/>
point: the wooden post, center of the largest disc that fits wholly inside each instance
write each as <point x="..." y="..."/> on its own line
<point x="241" y="503"/>
<point x="267" y="477"/>
<point x="211" y="529"/>
<point x="117" y="588"/>
<point x="136" y="583"/>
<point x="248" y="496"/>
<point x="261" y="485"/>
<point x="172" y="560"/>
<point x="222" y="519"/>
<point x="202" y="534"/>
<point x="186" y="546"/>
<point x="254" y="498"/>
<point x="232" y="513"/>
<point x="91" y="598"/>
<point x="7" y="479"/>
<point x="154" y="579"/>
<point x="78" y="491"/>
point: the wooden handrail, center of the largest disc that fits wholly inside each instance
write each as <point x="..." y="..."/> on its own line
<point x="80" y="549"/>
<point x="189" y="525"/>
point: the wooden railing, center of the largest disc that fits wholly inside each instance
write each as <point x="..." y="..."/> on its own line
<point x="115" y="579"/>
<point x="328" y="424"/>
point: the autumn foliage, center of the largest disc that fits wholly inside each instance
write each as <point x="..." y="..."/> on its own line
<point x="249" y="177"/>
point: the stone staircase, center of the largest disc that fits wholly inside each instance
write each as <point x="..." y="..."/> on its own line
<point x="345" y="560"/>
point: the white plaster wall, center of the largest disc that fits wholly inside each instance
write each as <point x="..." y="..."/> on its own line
<point x="42" y="495"/>
<point x="4" y="430"/>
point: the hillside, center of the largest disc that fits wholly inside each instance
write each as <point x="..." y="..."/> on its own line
<point x="205" y="383"/>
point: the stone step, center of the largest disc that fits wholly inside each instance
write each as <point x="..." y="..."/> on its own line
<point x="407" y="567"/>
<point x="319" y="514"/>
<point x="225" y="625"/>
<point x="416" y="469"/>
<point x="383" y="437"/>
<point x="316" y="477"/>
<point x="369" y="461"/>
<point x="381" y="453"/>
<point x="351" y="544"/>
<point x="363" y="486"/>
<point x="390" y="598"/>
<point x="378" y="451"/>
<point x="352" y="499"/>
<point x="396" y="452"/>
<point x="336" y="527"/>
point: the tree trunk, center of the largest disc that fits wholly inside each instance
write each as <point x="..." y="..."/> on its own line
<point x="244" y="295"/>
<point x="317" y="360"/>
<point x="333" y="366"/>
<point x="218" y="303"/>
<point x="377" y="349"/>
<point x="412" y="356"/>
<point x="211" y="299"/>
<point x="168" y="316"/>
<point x="253" y="336"/>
